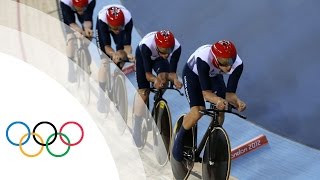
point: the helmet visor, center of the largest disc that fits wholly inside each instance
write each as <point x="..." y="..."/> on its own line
<point x="225" y="62"/>
<point x="116" y="28"/>
<point x="80" y="9"/>
<point x="164" y="51"/>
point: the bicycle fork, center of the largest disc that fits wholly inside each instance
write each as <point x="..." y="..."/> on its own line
<point x="158" y="115"/>
<point x="212" y="142"/>
<point x="212" y="146"/>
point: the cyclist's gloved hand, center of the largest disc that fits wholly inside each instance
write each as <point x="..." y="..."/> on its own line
<point x="177" y="83"/>
<point x="116" y="57"/>
<point x="241" y="105"/>
<point x="131" y="57"/>
<point x="158" y="84"/>
<point x="78" y="34"/>
<point x="221" y="104"/>
<point x="88" y="32"/>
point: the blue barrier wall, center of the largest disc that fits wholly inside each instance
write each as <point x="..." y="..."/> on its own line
<point x="278" y="42"/>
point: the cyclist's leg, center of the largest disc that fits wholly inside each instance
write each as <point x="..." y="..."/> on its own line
<point x="196" y="102"/>
<point x="101" y="104"/>
<point x="218" y="86"/>
<point x="70" y="54"/>
<point x="102" y="73"/>
<point x="140" y="99"/>
<point x="87" y="42"/>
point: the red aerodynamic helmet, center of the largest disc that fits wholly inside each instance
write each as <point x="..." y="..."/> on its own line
<point x="224" y="49"/>
<point x="164" y="39"/>
<point x="115" y="17"/>
<point x="80" y="3"/>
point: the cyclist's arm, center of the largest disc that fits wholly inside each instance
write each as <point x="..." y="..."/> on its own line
<point x="127" y="37"/>
<point x="109" y="51"/>
<point x="150" y="77"/>
<point x="67" y="14"/>
<point x="104" y="36"/>
<point x="88" y="13"/>
<point x="233" y="80"/>
<point x="128" y="49"/>
<point x="174" y="64"/>
<point x="146" y="56"/>
<point x="172" y="76"/>
<point x="69" y="17"/>
<point x="87" y="24"/>
<point x="204" y="78"/>
<point x="174" y="60"/>
<point x="232" y="98"/>
<point x="76" y="27"/>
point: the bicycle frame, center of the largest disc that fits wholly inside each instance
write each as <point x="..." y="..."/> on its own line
<point x="80" y="45"/>
<point x="214" y="123"/>
<point x="199" y="149"/>
<point x="111" y="76"/>
<point x="79" y="42"/>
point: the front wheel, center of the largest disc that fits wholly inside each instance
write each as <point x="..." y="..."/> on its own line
<point x="162" y="132"/>
<point x="181" y="170"/>
<point x="216" y="162"/>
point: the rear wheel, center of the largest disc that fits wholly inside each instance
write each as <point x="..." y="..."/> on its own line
<point x="181" y="170"/>
<point x="162" y="132"/>
<point x="216" y="162"/>
<point x="120" y="101"/>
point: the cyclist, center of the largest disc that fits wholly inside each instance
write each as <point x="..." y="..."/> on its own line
<point x="203" y="80"/>
<point x="159" y="51"/>
<point x="116" y="21"/>
<point x="83" y="10"/>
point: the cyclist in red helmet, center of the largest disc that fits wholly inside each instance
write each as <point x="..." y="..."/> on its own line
<point x="203" y="80"/>
<point x="113" y="21"/>
<point x="83" y="10"/>
<point x="159" y="51"/>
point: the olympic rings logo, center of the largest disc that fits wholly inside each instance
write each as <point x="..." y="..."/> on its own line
<point x="48" y="142"/>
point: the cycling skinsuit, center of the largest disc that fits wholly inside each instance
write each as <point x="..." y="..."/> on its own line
<point x="104" y="33"/>
<point x="199" y="74"/>
<point x="69" y="13"/>
<point x="148" y="59"/>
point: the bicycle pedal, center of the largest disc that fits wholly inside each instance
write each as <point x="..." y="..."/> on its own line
<point x="187" y="156"/>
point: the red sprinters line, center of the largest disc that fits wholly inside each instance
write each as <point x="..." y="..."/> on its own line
<point x="128" y="70"/>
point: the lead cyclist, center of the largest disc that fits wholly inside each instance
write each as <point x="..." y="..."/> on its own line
<point x="203" y="80"/>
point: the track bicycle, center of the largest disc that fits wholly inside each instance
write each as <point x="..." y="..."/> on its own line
<point x="162" y="126"/>
<point x="116" y="91"/>
<point x="83" y="60"/>
<point x="216" y="159"/>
